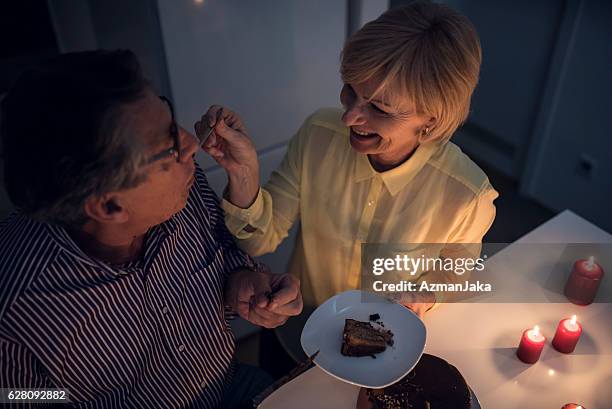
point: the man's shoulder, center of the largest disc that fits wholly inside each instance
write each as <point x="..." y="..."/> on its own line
<point x="19" y="238"/>
<point x="25" y="246"/>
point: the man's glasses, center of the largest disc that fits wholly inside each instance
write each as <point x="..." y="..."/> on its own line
<point x="175" y="150"/>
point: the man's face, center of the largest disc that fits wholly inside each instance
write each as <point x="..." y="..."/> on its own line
<point x="166" y="188"/>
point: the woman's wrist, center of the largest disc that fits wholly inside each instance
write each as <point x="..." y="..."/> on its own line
<point x="243" y="188"/>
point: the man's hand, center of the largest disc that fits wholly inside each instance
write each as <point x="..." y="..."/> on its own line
<point x="231" y="147"/>
<point x="262" y="298"/>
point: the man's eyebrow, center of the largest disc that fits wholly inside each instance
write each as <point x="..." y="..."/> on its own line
<point x="165" y="133"/>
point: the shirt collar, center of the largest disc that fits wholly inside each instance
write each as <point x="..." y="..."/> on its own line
<point x="397" y="178"/>
<point x="65" y="241"/>
<point x="61" y="237"/>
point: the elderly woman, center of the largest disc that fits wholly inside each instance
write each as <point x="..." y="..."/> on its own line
<point x="382" y="170"/>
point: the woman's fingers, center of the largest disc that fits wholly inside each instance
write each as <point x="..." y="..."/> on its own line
<point x="233" y="121"/>
<point x="215" y="153"/>
<point x="212" y="115"/>
<point x="217" y="113"/>
<point x="203" y="132"/>
<point x="228" y="133"/>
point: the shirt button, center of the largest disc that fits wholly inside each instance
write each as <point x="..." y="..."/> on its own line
<point x="165" y="310"/>
<point x="181" y="347"/>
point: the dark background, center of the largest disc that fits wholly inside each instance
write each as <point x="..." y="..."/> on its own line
<point x="540" y="121"/>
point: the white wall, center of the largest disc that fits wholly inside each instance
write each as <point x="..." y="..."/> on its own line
<point x="273" y="61"/>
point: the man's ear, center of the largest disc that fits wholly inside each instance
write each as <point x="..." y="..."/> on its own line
<point x="108" y="208"/>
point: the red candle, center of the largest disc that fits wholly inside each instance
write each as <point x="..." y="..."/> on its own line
<point x="531" y="345"/>
<point x="567" y="335"/>
<point x="583" y="283"/>
<point x="572" y="406"/>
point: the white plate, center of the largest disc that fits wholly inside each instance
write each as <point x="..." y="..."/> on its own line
<point x="475" y="401"/>
<point x="323" y="332"/>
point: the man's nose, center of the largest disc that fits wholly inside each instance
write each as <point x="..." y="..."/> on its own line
<point x="189" y="145"/>
<point x="354" y="115"/>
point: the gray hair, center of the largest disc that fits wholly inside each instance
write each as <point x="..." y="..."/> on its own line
<point x="64" y="133"/>
<point x="118" y="166"/>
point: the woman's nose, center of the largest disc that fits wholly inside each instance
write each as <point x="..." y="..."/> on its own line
<point x="353" y="115"/>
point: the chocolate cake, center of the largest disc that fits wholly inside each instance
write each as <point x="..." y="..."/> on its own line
<point x="432" y="384"/>
<point x="363" y="339"/>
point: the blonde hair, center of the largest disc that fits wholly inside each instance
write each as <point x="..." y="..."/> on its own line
<point x="425" y="52"/>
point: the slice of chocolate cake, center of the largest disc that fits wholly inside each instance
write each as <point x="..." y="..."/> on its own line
<point x="432" y="384"/>
<point x="362" y="339"/>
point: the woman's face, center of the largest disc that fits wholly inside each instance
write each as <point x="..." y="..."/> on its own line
<point x="387" y="133"/>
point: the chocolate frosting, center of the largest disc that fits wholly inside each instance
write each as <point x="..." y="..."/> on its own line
<point x="433" y="382"/>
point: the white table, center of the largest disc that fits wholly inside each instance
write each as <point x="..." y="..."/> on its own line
<point x="481" y="340"/>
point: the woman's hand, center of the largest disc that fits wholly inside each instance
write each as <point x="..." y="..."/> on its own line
<point x="231" y="147"/>
<point x="418" y="303"/>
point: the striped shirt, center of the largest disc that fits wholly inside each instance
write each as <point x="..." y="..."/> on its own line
<point x="152" y="333"/>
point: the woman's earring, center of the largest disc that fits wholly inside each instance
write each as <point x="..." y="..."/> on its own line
<point x="424" y="134"/>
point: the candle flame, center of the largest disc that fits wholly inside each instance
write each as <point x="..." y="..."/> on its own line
<point x="573" y="320"/>
<point x="591" y="263"/>
<point x="579" y="407"/>
<point x="536" y="330"/>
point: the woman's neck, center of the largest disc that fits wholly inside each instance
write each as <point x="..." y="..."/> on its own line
<point x="383" y="163"/>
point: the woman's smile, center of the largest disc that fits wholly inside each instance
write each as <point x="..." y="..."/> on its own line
<point x="362" y="141"/>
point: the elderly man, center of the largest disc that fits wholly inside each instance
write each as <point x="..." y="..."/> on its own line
<point x="117" y="271"/>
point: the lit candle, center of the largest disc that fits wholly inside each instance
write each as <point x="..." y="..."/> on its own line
<point x="532" y="343"/>
<point x="583" y="283"/>
<point x="572" y="406"/>
<point x="567" y="335"/>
